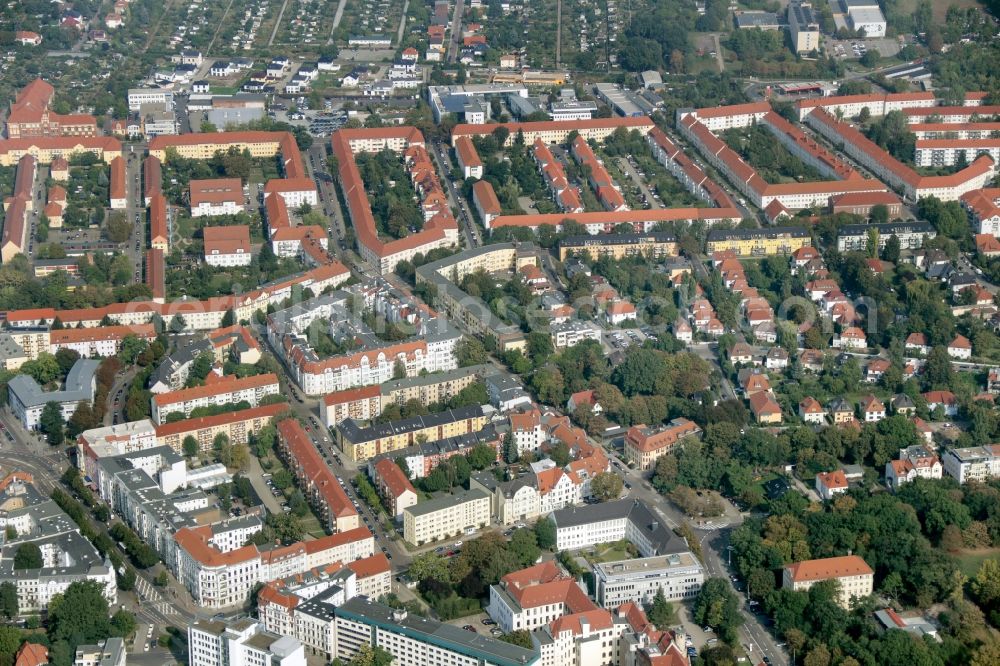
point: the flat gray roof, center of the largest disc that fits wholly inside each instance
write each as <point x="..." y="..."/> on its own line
<point x="485" y="649"/>
<point x="438" y="503"/>
<point x="78" y="386"/>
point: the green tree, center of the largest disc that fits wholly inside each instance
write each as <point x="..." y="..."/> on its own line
<point x="661" y="613"/>
<point x="162" y="579"/>
<point x="10" y="641"/>
<point x="8" y="600"/>
<point x="524" y="546"/>
<point x="66" y="358"/>
<point x="83" y="418"/>
<point x="80" y="614"/>
<point x="482" y="456"/>
<point x="122" y="623"/>
<point x="470" y="351"/>
<point x="545" y="533"/>
<point x="718" y="607"/>
<point x="372" y="656"/>
<point x="28" y="556"/>
<point x="606" y="486"/>
<point x="190" y="446"/>
<point x="132" y="347"/>
<point x="429" y="565"/>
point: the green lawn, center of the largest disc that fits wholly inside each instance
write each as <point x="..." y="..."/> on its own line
<point x="611" y="552"/>
<point x="970" y="560"/>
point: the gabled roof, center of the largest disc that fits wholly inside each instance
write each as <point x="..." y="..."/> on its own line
<point x="830" y="567"/>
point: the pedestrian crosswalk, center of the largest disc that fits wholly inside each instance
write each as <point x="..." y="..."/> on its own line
<point x="150" y="597"/>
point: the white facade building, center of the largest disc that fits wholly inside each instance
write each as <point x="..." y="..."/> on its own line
<point x="679" y="575"/>
<point x="242" y="642"/>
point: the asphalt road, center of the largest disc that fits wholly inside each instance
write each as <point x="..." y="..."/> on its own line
<point x="714" y="538"/>
<point x="439" y="153"/>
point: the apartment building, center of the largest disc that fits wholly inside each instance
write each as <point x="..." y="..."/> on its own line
<point x="914" y="462"/>
<point x="556" y="131"/>
<point x="973" y="463"/>
<point x="911" y="235"/>
<point x="446" y="516"/>
<point x="216" y="196"/>
<point x="687" y="171"/>
<point x="758" y="242"/>
<point x="679" y="575"/>
<point x="855" y="577"/>
<point x="30" y="116"/>
<point x="534" y="597"/>
<point x="241" y="642"/>
<point x="573" y="332"/>
<point x="360" y="443"/>
<point x="419" y="641"/>
<point x="27" y="399"/>
<point x="301" y="606"/>
<point x="295" y="192"/>
<point x="316" y="480"/>
<point x="803" y="27"/>
<point x="225" y="390"/>
<point x="138" y="96"/>
<point x="237" y="426"/>
<point x="654" y="245"/>
<point x="67" y="556"/>
<point x="102" y="342"/>
<point x="227" y="246"/>
<point x="367" y="402"/>
<point x="581" y="527"/>
<point x="393" y="486"/>
<point x="485" y="200"/>
<point x="439" y="231"/>
<point x="471" y="311"/>
<point x="108" y="652"/>
<point x="645" y="445"/>
<point x="546" y="488"/>
<point x="219" y="571"/>
<point x="641" y="221"/>
<point x="430" y="348"/>
<point x="468" y="158"/>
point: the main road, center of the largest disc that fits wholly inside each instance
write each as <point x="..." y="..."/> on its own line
<point x="714" y="540"/>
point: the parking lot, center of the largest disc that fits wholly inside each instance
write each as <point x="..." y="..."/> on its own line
<point x="856" y="48"/>
<point x="621" y="339"/>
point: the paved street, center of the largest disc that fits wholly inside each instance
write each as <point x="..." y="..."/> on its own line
<point x="630" y="171"/>
<point x="714" y="539"/>
<point x="470" y="233"/>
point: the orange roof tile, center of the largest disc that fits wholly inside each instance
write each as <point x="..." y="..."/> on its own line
<point x="231" y="384"/>
<point x="830" y="567"/>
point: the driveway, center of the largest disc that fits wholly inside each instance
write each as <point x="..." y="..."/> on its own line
<point x="255" y="474"/>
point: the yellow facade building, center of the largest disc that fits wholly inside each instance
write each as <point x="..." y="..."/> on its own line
<point x="361" y="443"/>
<point x="758" y="242"/>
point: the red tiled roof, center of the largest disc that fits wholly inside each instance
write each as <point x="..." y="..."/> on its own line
<point x="207" y="422"/>
<point x="227" y="240"/>
<point x="370" y="566"/>
<point x="830" y="567"/>
<point x="483" y="191"/>
<point x="833" y="480"/>
<point x="32" y="654"/>
<point x="312" y="466"/>
<point x="230" y="384"/>
<point x="215" y="191"/>
<point x="393" y="478"/>
<point x="763" y="404"/>
<point x="117" y="185"/>
<point x="66" y="336"/>
<point x="467" y="154"/>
